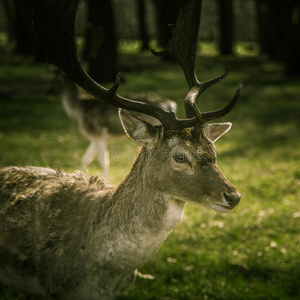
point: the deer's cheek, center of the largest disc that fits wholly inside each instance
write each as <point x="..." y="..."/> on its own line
<point x="183" y="169"/>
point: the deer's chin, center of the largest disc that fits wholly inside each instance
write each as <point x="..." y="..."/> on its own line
<point x="220" y="208"/>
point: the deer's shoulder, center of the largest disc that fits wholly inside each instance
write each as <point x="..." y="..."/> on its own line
<point x="49" y="186"/>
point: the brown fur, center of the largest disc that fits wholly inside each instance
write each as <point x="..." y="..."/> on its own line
<point x="74" y="236"/>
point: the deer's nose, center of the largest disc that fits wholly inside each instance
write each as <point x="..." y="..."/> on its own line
<point x="233" y="199"/>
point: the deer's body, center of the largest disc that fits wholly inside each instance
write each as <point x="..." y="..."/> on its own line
<point x="74" y="237"/>
<point x="68" y="236"/>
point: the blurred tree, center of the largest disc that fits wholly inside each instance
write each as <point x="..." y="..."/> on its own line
<point x="167" y="12"/>
<point x="100" y="50"/>
<point x="271" y="29"/>
<point x="9" y="11"/>
<point x="279" y="31"/>
<point x="293" y="55"/>
<point x="142" y="24"/>
<point x="226" y="26"/>
<point x="21" y="31"/>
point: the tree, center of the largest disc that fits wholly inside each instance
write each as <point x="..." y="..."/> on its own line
<point x="292" y="56"/>
<point x="279" y="31"/>
<point x="271" y="29"/>
<point x="226" y="27"/>
<point x="21" y="29"/>
<point x="142" y="24"/>
<point x="100" y="50"/>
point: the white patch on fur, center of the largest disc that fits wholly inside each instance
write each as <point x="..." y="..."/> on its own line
<point x="130" y="250"/>
<point x="220" y="208"/>
<point x="174" y="214"/>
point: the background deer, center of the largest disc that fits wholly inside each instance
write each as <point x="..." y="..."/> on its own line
<point x="71" y="236"/>
<point x="96" y="119"/>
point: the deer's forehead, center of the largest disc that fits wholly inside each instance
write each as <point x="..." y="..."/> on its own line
<point x="189" y="142"/>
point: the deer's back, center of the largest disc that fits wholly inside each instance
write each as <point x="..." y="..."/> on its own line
<point x="41" y="211"/>
<point x="42" y="199"/>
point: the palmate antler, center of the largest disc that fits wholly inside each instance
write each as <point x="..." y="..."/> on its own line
<point x="54" y="23"/>
<point x="183" y="47"/>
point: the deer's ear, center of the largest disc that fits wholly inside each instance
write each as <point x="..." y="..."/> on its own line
<point x="215" y="131"/>
<point x="137" y="129"/>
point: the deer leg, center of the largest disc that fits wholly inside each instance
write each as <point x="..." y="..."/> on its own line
<point x="103" y="154"/>
<point x="88" y="155"/>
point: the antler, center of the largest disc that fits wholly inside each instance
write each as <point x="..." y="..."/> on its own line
<point x="54" y="23"/>
<point x="183" y="47"/>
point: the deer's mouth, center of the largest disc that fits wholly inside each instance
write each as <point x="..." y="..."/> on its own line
<point x="220" y="208"/>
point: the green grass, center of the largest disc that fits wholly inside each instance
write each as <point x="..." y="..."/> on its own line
<point x="250" y="253"/>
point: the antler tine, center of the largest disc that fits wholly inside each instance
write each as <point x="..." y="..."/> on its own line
<point x="196" y="91"/>
<point x="54" y="24"/>
<point x="212" y="115"/>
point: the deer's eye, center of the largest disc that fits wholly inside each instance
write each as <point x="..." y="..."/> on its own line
<point x="180" y="157"/>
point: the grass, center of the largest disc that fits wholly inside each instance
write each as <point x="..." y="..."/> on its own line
<point x="250" y="253"/>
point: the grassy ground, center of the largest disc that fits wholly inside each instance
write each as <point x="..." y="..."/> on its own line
<point x="250" y="253"/>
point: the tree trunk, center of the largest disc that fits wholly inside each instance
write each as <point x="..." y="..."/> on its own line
<point x="142" y="24"/>
<point x="226" y="26"/>
<point x="26" y="41"/>
<point x="101" y="43"/>
<point x="279" y="31"/>
<point x="262" y="10"/>
<point x="9" y="9"/>
<point x="292" y="57"/>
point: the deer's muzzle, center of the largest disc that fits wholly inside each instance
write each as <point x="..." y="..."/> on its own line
<point x="232" y="199"/>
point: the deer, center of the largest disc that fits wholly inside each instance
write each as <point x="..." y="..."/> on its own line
<point x="96" y="119"/>
<point x="75" y="236"/>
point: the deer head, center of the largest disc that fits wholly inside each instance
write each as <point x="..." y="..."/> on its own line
<point x="182" y="149"/>
<point x="182" y="165"/>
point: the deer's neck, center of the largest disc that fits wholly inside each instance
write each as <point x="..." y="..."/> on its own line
<point x="142" y="216"/>
<point x="144" y="202"/>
